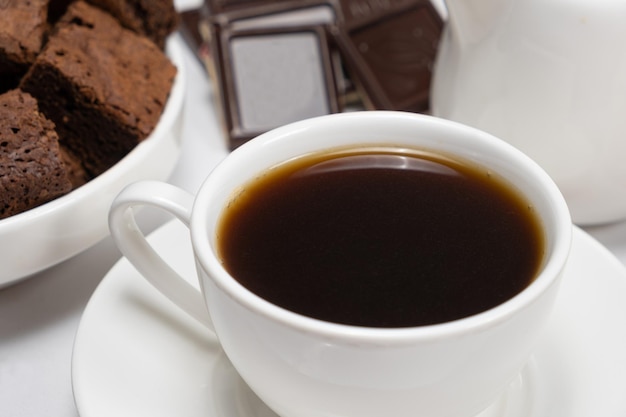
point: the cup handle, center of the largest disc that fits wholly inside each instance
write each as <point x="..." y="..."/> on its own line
<point x="133" y="244"/>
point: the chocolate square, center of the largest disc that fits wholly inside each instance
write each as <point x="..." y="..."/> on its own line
<point x="271" y="77"/>
<point x="390" y="57"/>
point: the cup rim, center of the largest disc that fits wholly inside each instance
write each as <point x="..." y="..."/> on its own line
<point x="548" y="276"/>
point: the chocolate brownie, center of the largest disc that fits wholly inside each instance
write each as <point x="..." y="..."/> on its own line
<point x="154" y="18"/>
<point x="31" y="169"/>
<point x="102" y="85"/>
<point x="22" y="28"/>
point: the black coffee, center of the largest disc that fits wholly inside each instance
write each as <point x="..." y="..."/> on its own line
<point x="380" y="238"/>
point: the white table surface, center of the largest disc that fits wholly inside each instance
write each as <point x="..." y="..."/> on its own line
<point x="39" y="316"/>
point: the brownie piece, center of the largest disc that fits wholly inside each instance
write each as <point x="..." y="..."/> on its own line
<point x="154" y="18"/>
<point x="31" y="169"/>
<point x="102" y="85"/>
<point x="22" y="29"/>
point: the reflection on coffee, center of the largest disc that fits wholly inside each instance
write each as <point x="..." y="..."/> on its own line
<point x="382" y="238"/>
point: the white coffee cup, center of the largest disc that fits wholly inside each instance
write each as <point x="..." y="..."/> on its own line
<point x="303" y="367"/>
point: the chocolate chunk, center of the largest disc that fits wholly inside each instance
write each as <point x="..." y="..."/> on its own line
<point x="273" y="65"/>
<point x="390" y="57"/>
<point x="271" y="77"/>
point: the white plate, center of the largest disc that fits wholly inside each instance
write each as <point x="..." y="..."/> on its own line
<point x="136" y="354"/>
<point x="53" y="232"/>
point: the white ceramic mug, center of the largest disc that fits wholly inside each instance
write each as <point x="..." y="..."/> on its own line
<point x="302" y="367"/>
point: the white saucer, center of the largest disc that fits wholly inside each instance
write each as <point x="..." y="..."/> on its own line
<point x="138" y="355"/>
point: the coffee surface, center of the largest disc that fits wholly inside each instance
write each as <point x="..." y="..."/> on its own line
<point x="381" y="238"/>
